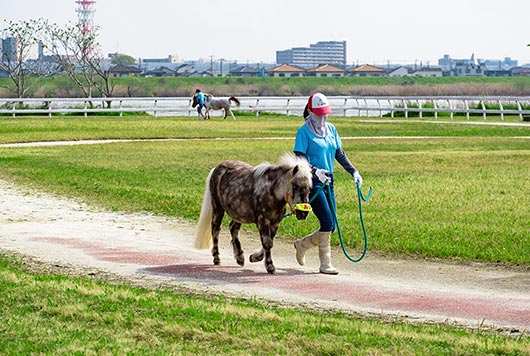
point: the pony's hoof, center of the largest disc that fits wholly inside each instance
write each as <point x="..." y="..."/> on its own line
<point x="271" y="269"/>
<point x="255" y="257"/>
<point x="240" y="260"/>
<point x="217" y="261"/>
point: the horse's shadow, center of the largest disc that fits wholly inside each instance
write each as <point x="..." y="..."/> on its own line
<point x="222" y="274"/>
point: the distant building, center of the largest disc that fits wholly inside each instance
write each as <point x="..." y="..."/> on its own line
<point x="448" y="64"/>
<point x="8" y="48"/>
<point x="285" y="71"/>
<point x="247" y="72"/>
<point x="148" y="64"/>
<point x="497" y="64"/>
<point x="428" y="72"/>
<point x="400" y="71"/>
<point x="366" y="70"/>
<point x="329" y="52"/>
<point x="468" y="70"/>
<point x="325" y="70"/>
<point x="160" y="72"/>
<point x="124" y="71"/>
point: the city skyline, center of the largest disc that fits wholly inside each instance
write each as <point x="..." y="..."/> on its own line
<point x="408" y="32"/>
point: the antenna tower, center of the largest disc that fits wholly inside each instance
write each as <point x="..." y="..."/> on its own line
<point x="85" y="14"/>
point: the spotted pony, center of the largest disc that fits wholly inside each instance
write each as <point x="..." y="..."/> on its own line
<point x="253" y="195"/>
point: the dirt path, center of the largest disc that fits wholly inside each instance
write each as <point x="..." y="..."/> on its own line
<point x="152" y="250"/>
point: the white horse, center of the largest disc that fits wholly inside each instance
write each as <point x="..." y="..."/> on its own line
<point x="213" y="103"/>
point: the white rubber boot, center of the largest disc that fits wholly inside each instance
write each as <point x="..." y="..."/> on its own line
<point x="324" y="253"/>
<point x="302" y="245"/>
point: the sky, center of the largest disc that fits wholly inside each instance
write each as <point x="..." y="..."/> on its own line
<point x="376" y="31"/>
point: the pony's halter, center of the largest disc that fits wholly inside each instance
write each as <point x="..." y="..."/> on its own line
<point x="292" y="206"/>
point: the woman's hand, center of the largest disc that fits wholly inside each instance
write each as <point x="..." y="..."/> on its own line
<point x="358" y="179"/>
<point x="322" y="175"/>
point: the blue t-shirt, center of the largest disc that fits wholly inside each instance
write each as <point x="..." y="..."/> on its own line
<point x="319" y="151"/>
<point x="200" y="97"/>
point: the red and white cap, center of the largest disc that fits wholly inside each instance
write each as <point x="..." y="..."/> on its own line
<point x="319" y="104"/>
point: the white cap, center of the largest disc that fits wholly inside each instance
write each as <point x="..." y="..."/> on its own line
<point x="319" y="104"/>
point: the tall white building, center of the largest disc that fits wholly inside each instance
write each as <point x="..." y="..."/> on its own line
<point x="324" y="52"/>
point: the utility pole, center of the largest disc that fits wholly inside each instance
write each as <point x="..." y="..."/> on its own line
<point x="211" y="65"/>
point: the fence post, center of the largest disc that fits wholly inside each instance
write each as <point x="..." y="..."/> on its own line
<point x="15" y="109"/>
<point x="520" y="110"/>
<point x="257" y="104"/>
<point x="406" y="109"/>
<point x="450" y="108"/>
<point x="483" y="110"/>
<point x="502" y="110"/>
<point x="420" y="107"/>
<point x="435" y="104"/>
<point x="344" y="107"/>
<point x="287" y="107"/>
<point x="155" y="108"/>
<point x="121" y="112"/>
<point x="467" y="109"/>
<point x="85" y="109"/>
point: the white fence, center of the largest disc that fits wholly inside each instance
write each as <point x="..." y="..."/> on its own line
<point x="366" y="106"/>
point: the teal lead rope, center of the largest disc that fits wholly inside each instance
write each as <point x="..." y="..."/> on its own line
<point x="361" y="198"/>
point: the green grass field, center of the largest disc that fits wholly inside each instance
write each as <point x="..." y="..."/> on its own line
<point x="444" y="190"/>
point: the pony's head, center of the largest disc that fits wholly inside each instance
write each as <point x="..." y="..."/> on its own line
<point x="299" y="186"/>
<point x="195" y="101"/>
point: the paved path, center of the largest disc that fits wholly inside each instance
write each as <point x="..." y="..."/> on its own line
<point x="150" y="248"/>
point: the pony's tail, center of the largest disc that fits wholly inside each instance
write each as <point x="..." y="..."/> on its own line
<point x="235" y="100"/>
<point x="203" y="235"/>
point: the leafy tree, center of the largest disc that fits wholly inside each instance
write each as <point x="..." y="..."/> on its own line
<point x="123" y="59"/>
<point x="17" y="61"/>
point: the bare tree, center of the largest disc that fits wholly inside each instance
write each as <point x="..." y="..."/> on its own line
<point x="20" y="59"/>
<point x="78" y="54"/>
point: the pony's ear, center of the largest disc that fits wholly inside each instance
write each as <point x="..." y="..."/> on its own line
<point x="295" y="170"/>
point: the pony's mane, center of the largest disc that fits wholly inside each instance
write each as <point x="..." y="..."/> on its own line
<point x="289" y="160"/>
<point x="261" y="168"/>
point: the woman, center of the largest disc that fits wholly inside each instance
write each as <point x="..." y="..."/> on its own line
<point x="200" y="101"/>
<point x="319" y="142"/>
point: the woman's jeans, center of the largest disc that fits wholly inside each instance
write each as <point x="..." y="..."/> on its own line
<point x="321" y="205"/>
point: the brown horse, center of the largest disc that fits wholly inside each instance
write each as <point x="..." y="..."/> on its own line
<point x="213" y="103"/>
<point x="253" y="195"/>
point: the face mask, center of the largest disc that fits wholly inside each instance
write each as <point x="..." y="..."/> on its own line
<point x="317" y="124"/>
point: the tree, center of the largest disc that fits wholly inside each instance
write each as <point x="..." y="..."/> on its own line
<point x="19" y="54"/>
<point x="78" y="54"/>
<point x="123" y="59"/>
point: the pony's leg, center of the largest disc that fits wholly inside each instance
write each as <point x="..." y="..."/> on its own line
<point x="217" y="219"/>
<point x="267" y="234"/>
<point x="226" y="113"/>
<point x="236" y="244"/>
<point x="231" y="113"/>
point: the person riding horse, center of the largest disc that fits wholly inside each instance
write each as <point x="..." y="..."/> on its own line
<point x="200" y="99"/>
